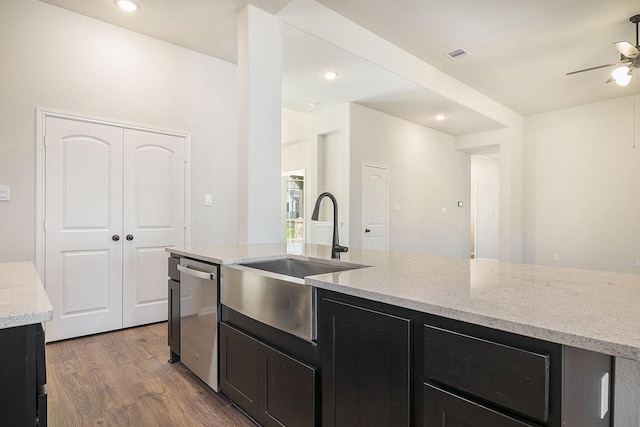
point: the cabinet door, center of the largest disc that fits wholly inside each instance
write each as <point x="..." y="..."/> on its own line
<point x="289" y="390"/>
<point x="239" y="369"/>
<point x="366" y="367"/>
<point x="18" y="376"/>
<point x="173" y="326"/>
<point x="443" y="409"/>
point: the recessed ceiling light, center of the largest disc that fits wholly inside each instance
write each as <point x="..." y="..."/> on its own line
<point x="440" y="117"/>
<point x="331" y="75"/>
<point x="127" y="5"/>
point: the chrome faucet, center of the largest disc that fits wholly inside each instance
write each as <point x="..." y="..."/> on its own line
<point x="335" y="245"/>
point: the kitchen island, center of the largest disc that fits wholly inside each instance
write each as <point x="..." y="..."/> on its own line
<point x="591" y="311"/>
<point x="24" y="305"/>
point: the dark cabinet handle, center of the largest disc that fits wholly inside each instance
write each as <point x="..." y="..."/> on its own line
<point x="366" y="230"/>
<point x="129" y="237"/>
<point x="115" y="237"/>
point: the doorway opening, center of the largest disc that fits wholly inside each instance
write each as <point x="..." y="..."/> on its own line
<point x="484" y="206"/>
<point x="293" y="184"/>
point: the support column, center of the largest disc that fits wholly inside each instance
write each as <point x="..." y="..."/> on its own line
<point x="259" y="121"/>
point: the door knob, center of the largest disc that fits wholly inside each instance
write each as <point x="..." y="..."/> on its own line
<point x="129" y="237"/>
<point x="366" y="230"/>
<point x="115" y="237"/>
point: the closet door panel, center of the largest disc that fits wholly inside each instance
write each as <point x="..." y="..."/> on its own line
<point x="154" y="179"/>
<point x="83" y="227"/>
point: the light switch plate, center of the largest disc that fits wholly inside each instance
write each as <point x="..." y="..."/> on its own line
<point x="5" y="193"/>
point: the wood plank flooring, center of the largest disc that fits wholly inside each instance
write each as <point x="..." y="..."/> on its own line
<point x="122" y="378"/>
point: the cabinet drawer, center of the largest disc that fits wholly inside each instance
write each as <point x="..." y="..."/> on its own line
<point x="444" y="409"/>
<point x="512" y="378"/>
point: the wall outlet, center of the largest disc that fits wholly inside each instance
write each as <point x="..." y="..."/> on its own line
<point x="556" y="257"/>
<point x="638" y="263"/>
<point x="208" y="200"/>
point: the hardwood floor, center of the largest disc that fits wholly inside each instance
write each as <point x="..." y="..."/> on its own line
<point x="122" y="378"/>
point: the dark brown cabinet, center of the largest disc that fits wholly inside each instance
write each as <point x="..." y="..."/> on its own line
<point x="386" y="365"/>
<point x="366" y="362"/>
<point x="503" y="375"/>
<point x="173" y="324"/>
<point x="444" y="409"/>
<point x="269" y="385"/>
<point x="479" y="377"/>
<point x="23" y="400"/>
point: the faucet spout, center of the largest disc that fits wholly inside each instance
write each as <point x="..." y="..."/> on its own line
<point x="336" y="249"/>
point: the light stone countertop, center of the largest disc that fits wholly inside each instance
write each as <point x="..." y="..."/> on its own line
<point x="23" y="300"/>
<point x="593" y="310"/>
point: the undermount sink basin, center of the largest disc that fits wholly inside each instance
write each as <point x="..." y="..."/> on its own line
<point x="299" y="268"/>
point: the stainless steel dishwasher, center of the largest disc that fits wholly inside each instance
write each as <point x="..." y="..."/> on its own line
<point x="199" y="319"/>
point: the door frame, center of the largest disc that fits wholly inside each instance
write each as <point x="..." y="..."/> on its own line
<point x="41" y="115"/>
<point x="386" y="226"/>
<point x="473" y="213"/>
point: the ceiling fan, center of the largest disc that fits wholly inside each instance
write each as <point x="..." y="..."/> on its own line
<point x="629" y="59"/>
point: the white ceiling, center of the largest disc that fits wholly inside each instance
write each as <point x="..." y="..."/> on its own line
<point x="520" y="50"/>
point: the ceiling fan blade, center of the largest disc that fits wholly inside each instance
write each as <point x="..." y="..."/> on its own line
<point x="627" y="49"/>
<point x="593" y="68"/>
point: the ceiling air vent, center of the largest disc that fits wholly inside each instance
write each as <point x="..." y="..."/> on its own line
<point x="457" y="54"/>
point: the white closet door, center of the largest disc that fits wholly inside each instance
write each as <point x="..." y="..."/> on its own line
<point x="83" y="261"/>
<point x="154" y="168"/>
<point x="375" y="207"/>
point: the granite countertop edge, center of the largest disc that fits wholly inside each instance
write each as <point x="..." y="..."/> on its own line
<point x="23" y="299"/>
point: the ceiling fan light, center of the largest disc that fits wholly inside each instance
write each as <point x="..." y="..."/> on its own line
<point x="623" y="80"/>
<point x="620" y="72"/>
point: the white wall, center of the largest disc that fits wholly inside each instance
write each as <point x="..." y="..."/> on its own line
<point x="581" y="178"/>
<point x="485" y="174"/>
<point x="61" y="60"/>
<point x="426" y="173"/>
<point x="329" y="139"/>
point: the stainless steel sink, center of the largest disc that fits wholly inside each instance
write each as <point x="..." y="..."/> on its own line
<point x="299" y="268"/>
<point x="273" y="292"/>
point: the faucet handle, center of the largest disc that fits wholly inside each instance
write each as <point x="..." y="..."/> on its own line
<point x="339" y="248"/>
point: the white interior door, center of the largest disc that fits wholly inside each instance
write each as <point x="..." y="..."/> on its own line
<point x="375" y="210"/>
<point x="154" y="177"/>
<point x="83" y="208"/>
